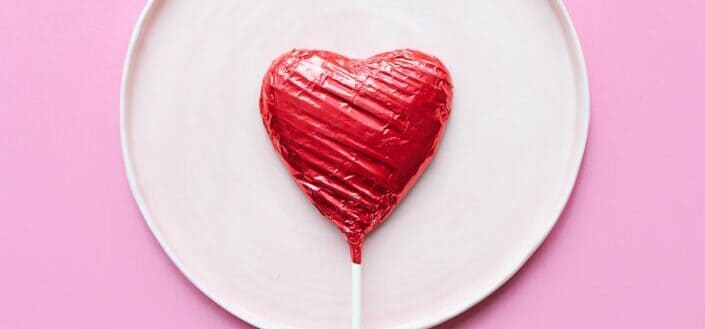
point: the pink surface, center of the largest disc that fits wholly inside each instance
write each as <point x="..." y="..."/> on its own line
<point x="629" y="251"/>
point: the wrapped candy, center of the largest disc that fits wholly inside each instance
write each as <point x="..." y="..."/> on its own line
<point x="356" y="134"/>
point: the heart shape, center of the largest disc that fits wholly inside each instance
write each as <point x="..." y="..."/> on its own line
<point x="356" y="134"/>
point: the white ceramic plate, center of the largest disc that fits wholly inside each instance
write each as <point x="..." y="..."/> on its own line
<point x="222" y="205"/>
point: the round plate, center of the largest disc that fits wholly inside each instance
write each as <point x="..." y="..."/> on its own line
<point x="221" y="204"/>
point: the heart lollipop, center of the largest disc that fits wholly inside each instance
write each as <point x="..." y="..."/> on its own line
<point x="356" y="134"/>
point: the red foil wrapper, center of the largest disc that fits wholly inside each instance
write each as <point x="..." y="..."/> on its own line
<point x="356" y="134"/>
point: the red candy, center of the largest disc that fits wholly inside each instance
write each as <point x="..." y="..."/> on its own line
<point x="356" y="134"/>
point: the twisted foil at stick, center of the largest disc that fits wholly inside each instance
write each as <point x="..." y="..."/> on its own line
<point x="356" y="134"/>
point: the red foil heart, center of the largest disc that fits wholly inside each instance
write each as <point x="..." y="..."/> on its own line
<point x="356" y="134"/>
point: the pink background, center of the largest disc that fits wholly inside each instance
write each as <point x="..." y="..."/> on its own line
<point x="629" y="251"/>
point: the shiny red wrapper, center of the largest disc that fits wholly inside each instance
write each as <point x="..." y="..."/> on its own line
<point x="356" y="134"/>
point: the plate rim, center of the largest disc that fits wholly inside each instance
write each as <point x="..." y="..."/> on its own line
<point x="253" y="319"/>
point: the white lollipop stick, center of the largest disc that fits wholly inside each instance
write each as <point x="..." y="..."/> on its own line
<point x="356" y="296"/>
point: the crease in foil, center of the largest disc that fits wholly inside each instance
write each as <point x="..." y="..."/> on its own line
<point x="356" y="134"/>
